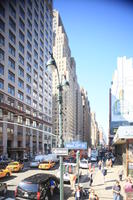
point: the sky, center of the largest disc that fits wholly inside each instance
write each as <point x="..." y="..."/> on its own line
<point x="99" y="31"/>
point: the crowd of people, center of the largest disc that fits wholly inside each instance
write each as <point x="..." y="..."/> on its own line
<point x="116" y="189"/>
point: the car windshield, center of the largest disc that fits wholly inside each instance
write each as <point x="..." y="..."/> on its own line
<point x="45" y="162"/>
<point x="28" y="187"/>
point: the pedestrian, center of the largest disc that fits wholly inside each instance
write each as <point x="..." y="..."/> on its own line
<point x="128" y="188"/>
<point x="120" y="173"/>
<point x="92" y="195"/>
<point x="52" y="186"/>
<point x="72" y="180"/>
<point x="104" y="172"/>
<point x="77" y="193"/>
<point x="91" y="177"/>
<point x="116" y="191"/>
<point x="99" y="164"/>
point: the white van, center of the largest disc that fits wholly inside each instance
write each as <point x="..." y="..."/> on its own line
<point x="35" y="162"/>
<point x="52" y="157"/>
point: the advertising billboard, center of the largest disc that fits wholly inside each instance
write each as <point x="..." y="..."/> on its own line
<point x="76" y="145"/>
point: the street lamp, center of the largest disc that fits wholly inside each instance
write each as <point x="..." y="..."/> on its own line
<point x="52" y="64"/>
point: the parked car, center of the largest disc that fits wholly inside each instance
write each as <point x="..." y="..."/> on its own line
<point x="36" y="187"/>
<point x="15" y="166"/>
<point x="46" y="165"/>
<point x="84" y="164"/>
<point x="5" y="173"/>
<point x="3" y="188"/>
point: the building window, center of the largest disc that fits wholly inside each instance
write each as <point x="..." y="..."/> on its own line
<point x="11" y="50"/>
<point x="34" y="104"/>
<point x="28" y="67"/>
<point x="30" y="3"/>
<point x="2" y="40"/>
<point x="29" y="45"/>
<point x="11" y="90"/>
<point x="28" y="78"/>
<point x="1" y="69"/>
<point x="35" y="84"/>
<point x="36" y="34"/>
<point x="36" y="4"/>
<point x="21" y="59"/>
<point x="28" y="100"/>
<point x="1" y="84"/>
<point x="27" y="122"/>
<point x="41" y="62"/>
<point x="34" y="94"/>
<point x="29" y="57"/>
<point x="20" y="95"/>
<point x="22" y="2"/>
<point x="41" y="44"/>
<point x="20" y="83"/>
<point x="40" y="98"/>
<point x="21" y="48"/>
<point x="35" y="54"/>
<point x="29" y="24"/>
<point x="35" y="75"/>
<point x="36" y="15"/>
<point x="42" y="26"/>
<point x="42" y="35"/>
<point x="20" y="119"/>
<point x="11" y="76"/>
<point x="2" y="11"/>
<point x="35" y="64"/>
<point x="21" y="24"/>
<point x="12" y="11"/>
<point x="35" y="44"/>
<point x="21" y="35"/>
<point x="22" y="13"/>
<point x="28" y="89"/>
<point x="2" y="25"/>
<point x="36" y="25"/>
<point x="12" y="24"/>
<point x="29" y="14"/>
<point x="21" y="72"/>
<point x="41" y="52"/>
<point x="29" y="35"/>
<point x="12" y="37"/>
<point x="2" y="55"/>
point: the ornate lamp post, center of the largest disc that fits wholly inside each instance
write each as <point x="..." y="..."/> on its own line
<point x="52" y="64"/>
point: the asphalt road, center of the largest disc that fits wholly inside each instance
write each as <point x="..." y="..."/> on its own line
<point x="14" y="180"/>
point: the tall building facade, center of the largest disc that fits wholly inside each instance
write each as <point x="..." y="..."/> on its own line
<point x="66" y="66"/>
<point x="79" y="115"/>
<point x="25" y="84"/>
<point x="121" y="101"/>
<point x="94" y="131"/>
<point x="86" y="117"/>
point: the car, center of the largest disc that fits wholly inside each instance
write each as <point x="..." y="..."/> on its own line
<point x="69" y="168"/>
<point x="5" y="173"/>
<point x="15" y="166"/>
<point x="36" y="187"/>
<point x="84" y="164"/>
<point x="3" y="188"/>
<point x="34" y="163"/>
<point x="46" y="165"/>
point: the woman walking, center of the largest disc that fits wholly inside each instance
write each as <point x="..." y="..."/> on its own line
<point x="116" y="191"/>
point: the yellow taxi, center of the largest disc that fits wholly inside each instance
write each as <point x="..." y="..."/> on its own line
<point x="15" y="166"/>
<point x="5" y="173"/>
<point x="46" y="165"/>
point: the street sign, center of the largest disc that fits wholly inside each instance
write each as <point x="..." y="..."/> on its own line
<point x="60" y="151"/>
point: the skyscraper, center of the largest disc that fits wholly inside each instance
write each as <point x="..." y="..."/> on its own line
<point x="67" y="69"/>
<point x="25" y="84"/>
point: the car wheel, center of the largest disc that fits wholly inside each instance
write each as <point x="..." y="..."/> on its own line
<point x="8" y="174"/>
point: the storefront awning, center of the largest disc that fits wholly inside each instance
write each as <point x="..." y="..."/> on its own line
<point x="123" y="133"/>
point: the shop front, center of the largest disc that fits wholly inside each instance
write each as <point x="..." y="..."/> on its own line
<point x="123" y="142"/>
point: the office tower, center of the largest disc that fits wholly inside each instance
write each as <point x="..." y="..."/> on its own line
<point x="25" y="84"/>
<point x="121" y="101"/>
<point x="66" y="66"/>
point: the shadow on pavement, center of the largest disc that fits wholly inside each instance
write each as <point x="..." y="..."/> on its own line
<point x="108" y="188"/>
<point x="111" y="180"/>
<point x="67" y="192"/>
<point x="7" y="178"/>
<point x="84" y="178"/>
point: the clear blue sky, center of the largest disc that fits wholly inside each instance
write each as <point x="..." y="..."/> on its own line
<point x="98" y="32"/>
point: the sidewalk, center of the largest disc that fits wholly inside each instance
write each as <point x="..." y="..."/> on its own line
<point x="104" y="190"/>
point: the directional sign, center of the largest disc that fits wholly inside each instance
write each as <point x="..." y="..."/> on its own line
<point x="60" y="151"/>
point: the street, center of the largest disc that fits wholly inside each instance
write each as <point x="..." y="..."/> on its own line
<point x="103" y="190"/>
